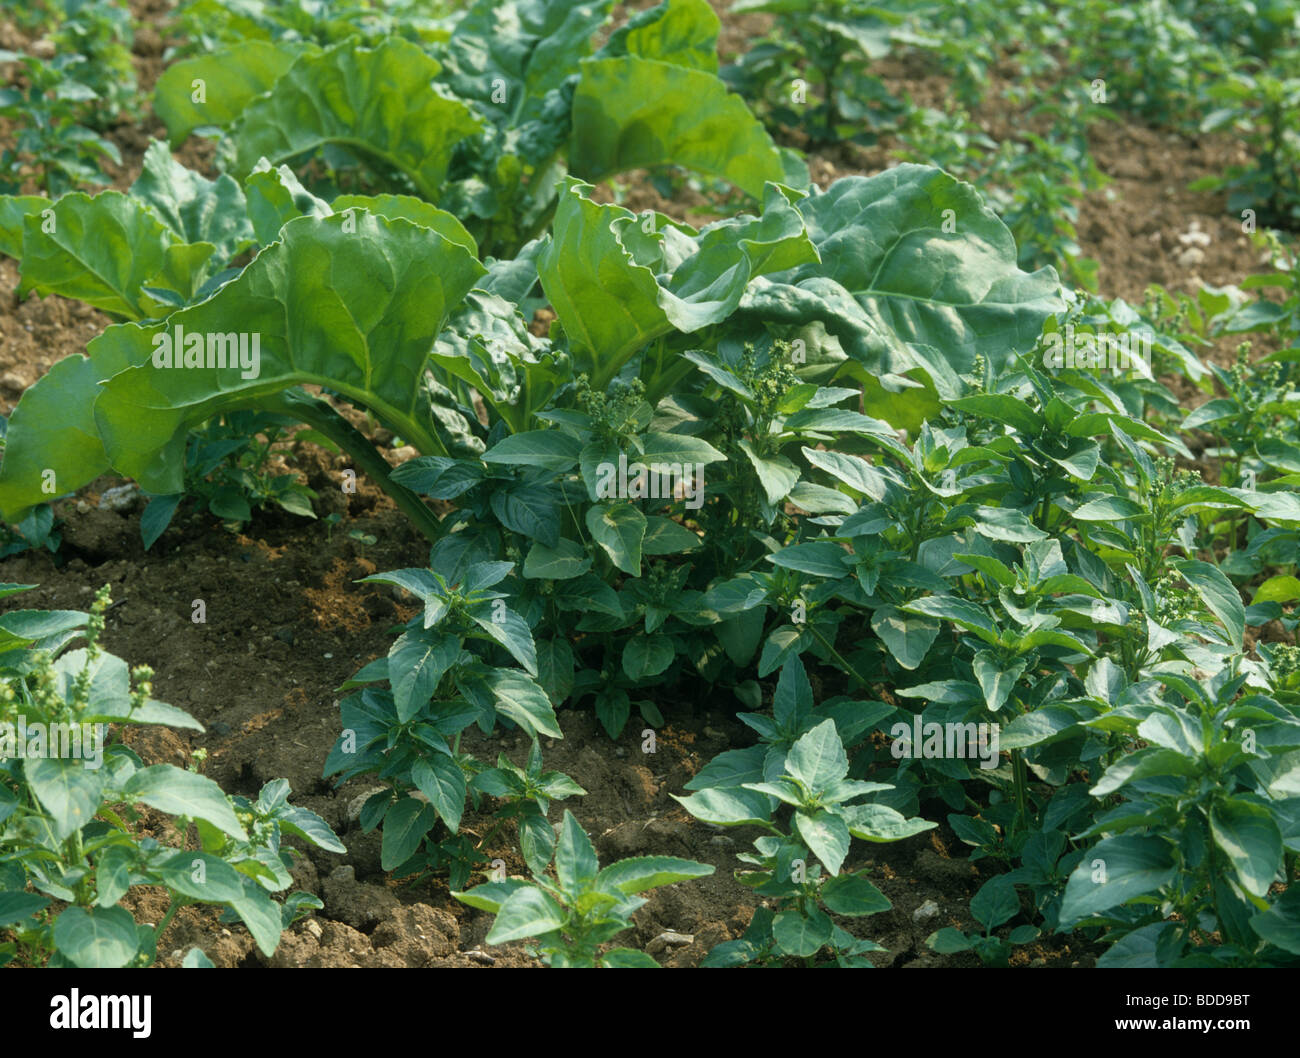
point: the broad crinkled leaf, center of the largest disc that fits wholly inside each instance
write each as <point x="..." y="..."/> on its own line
<point x="634" y="113"/>
<point x="352" y="310"/>
<point x="416" y="210"/>
<point x="194" y="208"/>
<point x="227" y="82"/>
<point x="52" y="430"/>
<point x="275" y="197"/>
<point x="102" y="250"/>
<point x="379" y="101"/>
<point x="526" y="47"/>
<point x="898" y="290"/>
<point x="13" y="208"/>
<point x="683" y="32"/>
<point x="601" y="271"/>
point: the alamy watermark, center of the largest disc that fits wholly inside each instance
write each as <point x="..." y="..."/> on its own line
<point x="40" y="741"/>
<point x="656" y="481"/>
<point x="952" y="741"/>
<point x="93" y="1011"/>
<point x="238" y="350"/>
<point x="1084" y="351"/>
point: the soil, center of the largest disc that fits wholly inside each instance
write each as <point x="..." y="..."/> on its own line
<point x="286" y="623"/>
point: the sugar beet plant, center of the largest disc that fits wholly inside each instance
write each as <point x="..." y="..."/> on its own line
<point x="70" y="828"/>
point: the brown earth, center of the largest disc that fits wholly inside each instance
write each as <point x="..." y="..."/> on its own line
<point x="286" y="624"/>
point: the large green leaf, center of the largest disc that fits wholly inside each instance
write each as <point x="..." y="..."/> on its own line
<point x="728" y="807"/>
<point x="53" y="445"/>
<point x="802" y="935"/>
<point x="526" y="912"/>
<point x="1115" y="870"/>
<point x="908" y="636"/>
<point x="417" y="662"/>
<point x="68" y="791"/>
<point x="354" y="310"/>
<point x="215" y="89"/>
<point x="1219" y="594"/>
<point x="915" y="272"/>
<point x="851" y="894"/>
<point x="635" y="875"/>
<point x="13" y="209"/>
<point x="619" y="529"/>
<point x="405" y="826"/>
<point x="440" y="779"/>
<point x="601" y="271"/>
<point x="826" y="834"/>
<point x="197" y="210"/>
<point x="275" y="197"/>
<point x="507" y="55"/>
<point x="15" y="906"/>
<point x="635" y="113"/>
<point x="684" y="32"/>
<point x="202" y="876"/>
<point x="184" y="793"/>
<point x="1280" y="924"/>
<point x="1248" y="836"/>
<point x="408" y="207"/>
<point x="525" y="702"/>
<point x="818" y="759"/>
<point x="97" y="938"/>
<point x="576" y="865"/>
<point x="102" y="250"/>
<point x="379" y="101"/>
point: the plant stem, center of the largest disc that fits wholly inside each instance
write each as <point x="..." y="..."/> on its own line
<point x="320" y="416"/>
<point x="1022" y="787"/>
<point x="172" y="908"/>
<point x="837" y="656"/>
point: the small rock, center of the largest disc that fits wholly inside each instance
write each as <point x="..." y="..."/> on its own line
<point x="355" y="805"/>
<point x="620" y="752"/>
<point x="667" y="939"/>
<point x="480" y="957"/>
<point x="926" y="911"/>
<point x="1193" y="255"/>
<point x="122" y="499"/>
<point x="83" y="508"/>
<point x="313" y="927"/>
<point x="178" y="954"/>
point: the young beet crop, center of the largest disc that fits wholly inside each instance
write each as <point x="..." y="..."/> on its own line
<point x="977" y="573"/>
